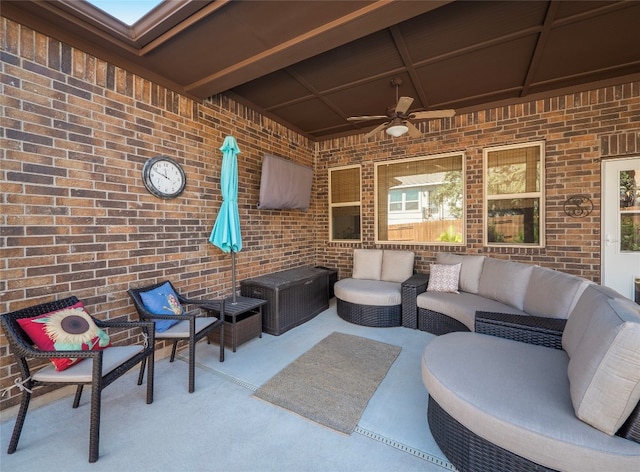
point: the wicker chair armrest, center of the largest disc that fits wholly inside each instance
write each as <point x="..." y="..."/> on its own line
<point x="124" y="324"/>
<point x="207" y="305"/>
<point x="147" y="327"/>
<point x="35" y="353"/>
<point x="524" y="328"/>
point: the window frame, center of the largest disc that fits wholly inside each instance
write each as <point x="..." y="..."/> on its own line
<point x="463" y="217"/>
<point x="344" y="204"/>
<point x="540" y="194"/>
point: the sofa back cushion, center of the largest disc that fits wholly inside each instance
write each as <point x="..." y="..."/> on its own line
<point x="469" y="272"/>
<point x="592" y="302"/>
<point x="604" y="367"/>
<point x="551" y="293"/>
<point x="397" y="266"/>
<point x="367" y="264"/>
<point x="505" y="281"/>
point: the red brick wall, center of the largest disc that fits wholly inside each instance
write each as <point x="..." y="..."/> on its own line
<point x="579" y="130"/>
<point x="76" y="217"/>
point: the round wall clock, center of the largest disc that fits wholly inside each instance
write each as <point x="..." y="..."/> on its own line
<point x="163" y="177"/>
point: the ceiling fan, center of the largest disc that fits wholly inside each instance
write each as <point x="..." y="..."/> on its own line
<point x="399" y="121"/>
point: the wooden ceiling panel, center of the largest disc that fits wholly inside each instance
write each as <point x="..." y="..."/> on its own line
<point x="358" y="61"/>
<point x="312" y="114"/>
<point x="311" y="64"/>
<point x="463" y="25"/>
<point x="374" y="97"/>
<point x="273" y="90"/>
<point x="493" y="69"/>
<point x="614" y="41"/>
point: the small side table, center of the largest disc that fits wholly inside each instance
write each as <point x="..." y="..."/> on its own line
<point x="242" y="321"/>
<point x="411" y="288"/>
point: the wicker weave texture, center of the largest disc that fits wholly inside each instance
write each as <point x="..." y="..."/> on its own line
<point x="235" y="334"/>
<point x="437" y="323"/>
<point x="468" y="451"/>
<point x="528" y="329"/>
<point x="409" y="291"/>
<point x="370" y="315"/>
<point x="303" y="296"/>
<point x="21" y="346"/>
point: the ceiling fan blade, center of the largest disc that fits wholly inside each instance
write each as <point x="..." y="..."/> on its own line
<point x="376" y="130"/>
<point x="367" y="117"/>
<point x="426" y="115"/>
<point x="413" y="131"/>
<point x="403" y="105"/>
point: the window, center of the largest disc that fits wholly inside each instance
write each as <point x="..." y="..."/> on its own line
<point x="420" y="200"/>
<point x="514" y="195"/>
<point x="344" y="204"/>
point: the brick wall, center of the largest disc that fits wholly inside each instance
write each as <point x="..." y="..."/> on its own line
<point x="76" y="217"/>
<point x="579" y="129"/>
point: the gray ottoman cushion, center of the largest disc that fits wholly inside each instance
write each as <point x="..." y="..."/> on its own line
<point x="368" y="292"/>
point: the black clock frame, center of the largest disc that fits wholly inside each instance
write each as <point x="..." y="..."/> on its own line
<point x="146" y="177"/>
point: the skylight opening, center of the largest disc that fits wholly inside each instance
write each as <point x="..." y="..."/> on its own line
<point x="128" y="12"/>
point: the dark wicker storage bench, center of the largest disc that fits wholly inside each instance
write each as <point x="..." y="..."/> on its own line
<point x="293" y="296"/>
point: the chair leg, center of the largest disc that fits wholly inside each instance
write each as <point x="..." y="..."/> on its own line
<point x="17" y="429"/>
<point x="76" y="400"/>
<point x="94" y="427"/>
<point x="173" y="351"/>
<point x="222" y="342"/>
<point x="141" y="374"/>
<point x="192" y="365"/>
<point x="150" y="378"/>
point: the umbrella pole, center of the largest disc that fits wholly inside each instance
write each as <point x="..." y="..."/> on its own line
<point x="233" y="275"/>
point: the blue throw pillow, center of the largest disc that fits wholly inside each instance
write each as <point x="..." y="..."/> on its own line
<point x="162" y="300"/>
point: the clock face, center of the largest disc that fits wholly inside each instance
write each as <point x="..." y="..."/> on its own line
<point x="163" y="177"/>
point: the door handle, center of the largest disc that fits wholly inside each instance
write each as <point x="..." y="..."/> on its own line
<point x="609" y="240"/>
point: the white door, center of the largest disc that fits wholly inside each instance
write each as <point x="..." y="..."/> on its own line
<point x="621" y="226"/>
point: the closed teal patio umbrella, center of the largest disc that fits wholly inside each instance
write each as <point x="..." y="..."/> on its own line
<point x="226" y="230"/>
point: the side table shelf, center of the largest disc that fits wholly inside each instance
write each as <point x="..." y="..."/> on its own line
<point x="242" y="322"/>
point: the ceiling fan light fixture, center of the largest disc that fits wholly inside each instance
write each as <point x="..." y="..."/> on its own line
<point x="397" y="129"/>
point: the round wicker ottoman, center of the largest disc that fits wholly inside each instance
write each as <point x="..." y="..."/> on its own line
<point x="370" y="315"/>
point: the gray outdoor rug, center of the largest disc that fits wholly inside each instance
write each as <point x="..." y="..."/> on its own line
<point x="333" y="381"/>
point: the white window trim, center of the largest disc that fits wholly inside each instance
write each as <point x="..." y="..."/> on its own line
<point x="464" y="200"/>
<point x="344" y="204"/>
<point x="541" y="195"/>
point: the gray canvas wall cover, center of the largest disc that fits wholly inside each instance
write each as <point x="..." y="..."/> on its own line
<point x="284" y="184"/>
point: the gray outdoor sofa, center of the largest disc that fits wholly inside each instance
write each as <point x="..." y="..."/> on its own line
<point x="487" y="285"/>
<point x="499" y="404"/>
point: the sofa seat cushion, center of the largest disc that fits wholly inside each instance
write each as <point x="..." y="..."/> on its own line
<point x="516" y="395"/>
<point x="462" y="306"/>
<point x="368" y="292"/>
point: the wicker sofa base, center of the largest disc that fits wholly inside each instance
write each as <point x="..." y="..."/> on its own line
<point x="370" y="315"/>
<point x="437" y="323"/>
<point x="469" y="452"/>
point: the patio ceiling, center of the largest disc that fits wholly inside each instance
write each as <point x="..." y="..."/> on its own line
<point x="312" y="64"/>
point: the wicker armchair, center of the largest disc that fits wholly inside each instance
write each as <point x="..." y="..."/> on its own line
<point x="191" y="328"/>
<point x="98" y="369"/>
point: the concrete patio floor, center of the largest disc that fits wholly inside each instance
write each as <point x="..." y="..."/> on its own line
<point x="222" y="427"/>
